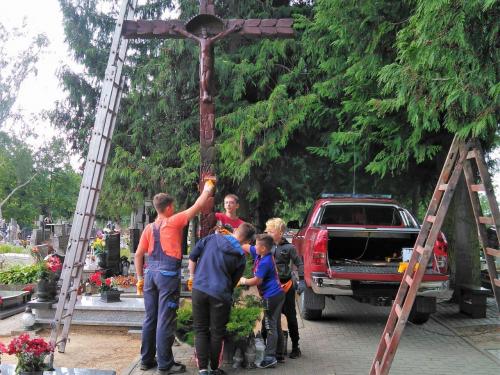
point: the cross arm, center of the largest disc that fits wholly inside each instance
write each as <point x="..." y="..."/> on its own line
<point x="251" y="28"/>
<point x="145" y="29"/>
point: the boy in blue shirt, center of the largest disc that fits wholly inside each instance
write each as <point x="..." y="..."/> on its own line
<point x="267" y="281"/>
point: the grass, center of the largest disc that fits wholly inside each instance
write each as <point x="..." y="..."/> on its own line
<point x="8" y="248"/>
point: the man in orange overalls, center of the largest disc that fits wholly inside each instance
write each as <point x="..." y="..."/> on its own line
<point x="160" y="278"/>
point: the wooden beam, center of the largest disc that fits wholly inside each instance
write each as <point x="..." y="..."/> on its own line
<point x="251" y="28"/>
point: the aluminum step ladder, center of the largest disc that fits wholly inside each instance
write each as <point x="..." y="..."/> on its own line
<point x="90" y="187"/>
<point x="462" y="156"/>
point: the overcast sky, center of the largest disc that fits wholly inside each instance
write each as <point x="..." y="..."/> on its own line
<point x="40" y="92"/>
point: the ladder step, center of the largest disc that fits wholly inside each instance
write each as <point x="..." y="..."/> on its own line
<point x="399" y="311"/>
<point x="443" y="187"/>
<point x="486" y="220"/>
<point x="409" y="280"/>
<point x="477" y="188"/>
<point x="387" y="339"/>
<point x="471" y="154"/>
<point x="66" y="315"/>
<point x="431" y="218"/>
<point x="493" y="252"/>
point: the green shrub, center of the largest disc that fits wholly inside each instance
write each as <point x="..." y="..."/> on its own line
<point x="20" y="274"/>
<point x="6" y="248"/>
<point x="125" y="252"/>
<point x="185" y="317"/>
<point x="242" y="321"/>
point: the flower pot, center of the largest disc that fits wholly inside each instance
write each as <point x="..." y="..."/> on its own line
<point x="110" y="296"/>
<point x="46" y="290"/>
<point x="30" y="372"/>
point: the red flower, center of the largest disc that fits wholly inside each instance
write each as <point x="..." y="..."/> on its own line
<point x="29" y="288"/>
<point x="3" y="349"/>
<point x="54" y="264"/>
<point x="108" y="281"/>
<point x="96" y="279"/>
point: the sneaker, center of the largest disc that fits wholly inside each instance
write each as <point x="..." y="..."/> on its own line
<point x="203" y="372"/>
<point x="280" y="358"/>
<point x="218" y="371"/>
<point x="148" y="366"/>
<point x="268" y="363"/>
<point x="177" y="368"/>
<point x="295" y="353"/>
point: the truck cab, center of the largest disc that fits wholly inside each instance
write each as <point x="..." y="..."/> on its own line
<point x="353" y="245"/>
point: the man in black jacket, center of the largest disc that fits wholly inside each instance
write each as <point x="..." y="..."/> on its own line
<point x="285" y="255"/>
<point x="215" y="266"/>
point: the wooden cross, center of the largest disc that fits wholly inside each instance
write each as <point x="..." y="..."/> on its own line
<point x="206" y="29"/>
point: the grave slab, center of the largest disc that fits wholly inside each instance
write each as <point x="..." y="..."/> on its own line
<point x="11" y="370"/>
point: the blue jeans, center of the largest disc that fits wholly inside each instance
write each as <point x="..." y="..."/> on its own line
<point x="161" y="300"/>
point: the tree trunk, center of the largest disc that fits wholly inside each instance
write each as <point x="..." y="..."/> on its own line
<point x="461" y="232"/>
<point x="14" y="190"/>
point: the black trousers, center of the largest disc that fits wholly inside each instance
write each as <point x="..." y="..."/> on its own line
<point x="210" y="317"/>
<point x="291" y="319"/>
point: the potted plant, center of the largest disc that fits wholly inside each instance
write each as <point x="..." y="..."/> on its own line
<point x="99" y="249"/>
<point x="106" y="286"/>
<point x="30" y="353"/>
<point x="48" y="272"/>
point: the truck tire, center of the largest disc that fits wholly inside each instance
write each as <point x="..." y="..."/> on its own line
<point x="311" y="305"/>
<point x="419" y="317"/>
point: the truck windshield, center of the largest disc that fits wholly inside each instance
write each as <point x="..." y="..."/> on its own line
<point x="361" y="215"/>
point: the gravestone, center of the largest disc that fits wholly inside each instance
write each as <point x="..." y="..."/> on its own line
<point x="113" y="252"/>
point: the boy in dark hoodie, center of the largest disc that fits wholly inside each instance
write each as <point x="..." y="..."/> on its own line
<point x="215" y="265"/>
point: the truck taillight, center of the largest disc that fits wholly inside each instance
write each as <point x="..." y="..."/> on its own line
<point x="440" y="262"/>
<point x="320" y="249"/>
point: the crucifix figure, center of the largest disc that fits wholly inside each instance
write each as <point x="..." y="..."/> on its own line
<point x="206" y="28"/>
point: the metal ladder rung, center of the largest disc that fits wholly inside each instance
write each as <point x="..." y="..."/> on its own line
<point x="409" y="280"/>
<point x="430" y="218"/>
<point x="478" y="188"/>
<point x="102" y="136"/>
<point x="387" y="339"/>
<point x="486" y="220"/>
<point x="493" y="252"/>
<point x="471" y="154"/>
<point x="399" y="310"/>
<point x="66" y="316"/>
<point x="443" y="187"/>
<point x="420" y="249"/>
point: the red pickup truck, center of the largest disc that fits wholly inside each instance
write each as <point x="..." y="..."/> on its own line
<point x="352" y="246"/>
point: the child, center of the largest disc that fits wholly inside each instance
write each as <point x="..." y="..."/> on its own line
<point x="230" y="216"/>
<point x="273" y="296"/>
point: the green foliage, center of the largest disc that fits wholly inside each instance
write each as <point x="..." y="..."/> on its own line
<point x="366" y="96"/>
<point x="242" y="321"/>
<point x="20" y="274"/>
<point x="6" y="248"/>
<point x="185" y="316"/>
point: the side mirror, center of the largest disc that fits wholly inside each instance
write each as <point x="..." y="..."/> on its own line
<point x="293" y="224"/>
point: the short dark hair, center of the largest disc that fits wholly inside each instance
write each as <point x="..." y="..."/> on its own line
<point x="162" y="201"/>
<point x="246" y="231"/>
<point x="266" y="240"/>
<point x="234" y="196"/>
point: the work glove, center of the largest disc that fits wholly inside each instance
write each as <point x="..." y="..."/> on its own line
<point x="301" y="287"/>
<point x="140" y="287"/>
<point x="209" y="185"/>
<point x="189" y="284"/>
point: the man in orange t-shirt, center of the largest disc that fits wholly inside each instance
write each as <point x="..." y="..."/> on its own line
<point x="160" y="278"/>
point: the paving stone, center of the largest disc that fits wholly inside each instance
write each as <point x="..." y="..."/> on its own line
<point x="345" y="340"/>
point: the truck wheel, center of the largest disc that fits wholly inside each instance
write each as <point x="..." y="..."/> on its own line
<point x="419" y="317"/>
<point x="305" y="312"/>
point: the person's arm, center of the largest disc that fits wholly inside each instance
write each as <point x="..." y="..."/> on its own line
<point x="297" y="261"/>
<point x="235" y="277"/>
<point x="207" y="192"/>
<point x="251" y="282"/>
<point x="221" y="35"/>
<point x="246" y="248"/>
<point x="139" y="262"/>
<point x="185" y="33"/>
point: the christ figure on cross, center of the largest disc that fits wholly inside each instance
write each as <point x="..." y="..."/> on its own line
<point x="207" y="56"/>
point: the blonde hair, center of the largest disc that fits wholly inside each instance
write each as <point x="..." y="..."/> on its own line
<point x="276" y="223"/>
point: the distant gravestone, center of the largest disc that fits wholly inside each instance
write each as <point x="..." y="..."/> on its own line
<point x="113" y="252"/>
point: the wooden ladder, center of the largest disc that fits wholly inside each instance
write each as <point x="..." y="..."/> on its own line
<point x="462" y="156"/>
